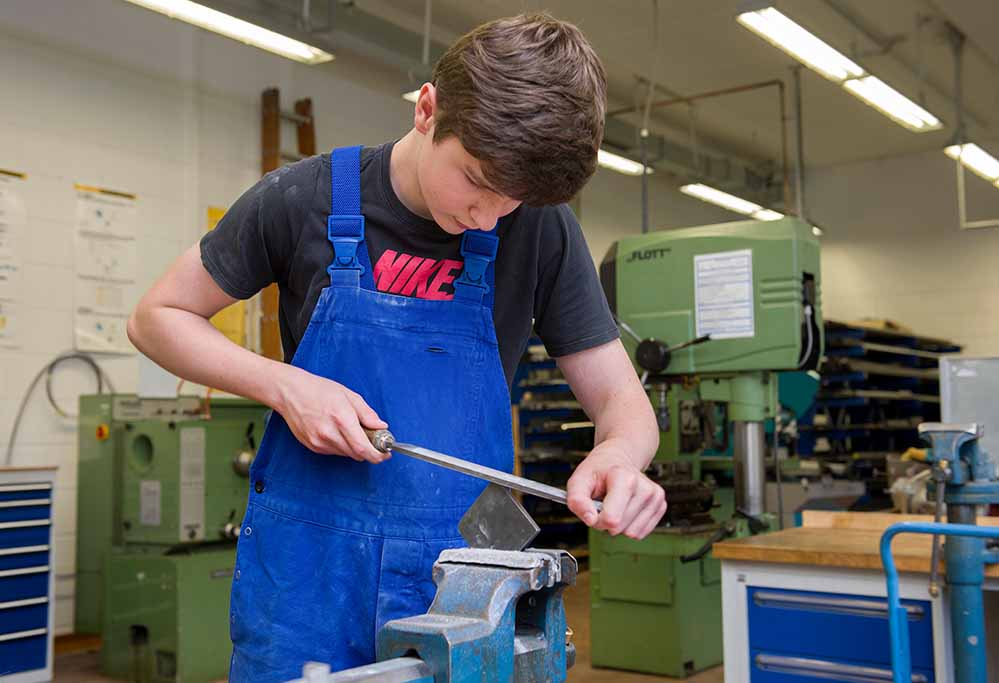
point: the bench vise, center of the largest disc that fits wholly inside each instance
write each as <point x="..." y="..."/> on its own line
<point x="497" y="617"/>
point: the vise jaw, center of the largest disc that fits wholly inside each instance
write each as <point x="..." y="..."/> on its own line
<point x="498" y="616"/>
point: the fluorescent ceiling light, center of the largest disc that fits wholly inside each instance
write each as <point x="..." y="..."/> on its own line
<point x="619" y="163"/>
<point x="783" y="33"/>
<point x="411" y="96"/>
<point x="730" y="202"/>
<point x="893" y="104"/>
<point x="808" y="49"/>
<point x="977" y="160"/>
<point x="237" y="29"/>
<point x="767" y="215"/>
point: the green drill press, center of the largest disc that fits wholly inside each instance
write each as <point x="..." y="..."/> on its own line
<point x="163" y="485"/>
<point x="709" y="315"/>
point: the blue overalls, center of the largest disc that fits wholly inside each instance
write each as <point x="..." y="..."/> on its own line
<point x="332" y="548"/>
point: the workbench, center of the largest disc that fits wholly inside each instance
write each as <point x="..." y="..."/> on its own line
<point x="808" y="603"/>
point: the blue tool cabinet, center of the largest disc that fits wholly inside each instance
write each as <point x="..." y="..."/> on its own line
<point x="26" y="574"/>
<point x="811" y="623"/>
<point x="804" y="636"/>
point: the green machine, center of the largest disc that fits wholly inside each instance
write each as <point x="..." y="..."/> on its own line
<point x="163" y="485"/>
<point x="709" y="315"/>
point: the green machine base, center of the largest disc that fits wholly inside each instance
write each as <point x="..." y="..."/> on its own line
<point x="650" y="612"/>
<point x="167" y="616"/>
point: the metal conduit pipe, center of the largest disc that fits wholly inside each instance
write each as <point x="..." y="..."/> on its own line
<point x="779" y="84"/>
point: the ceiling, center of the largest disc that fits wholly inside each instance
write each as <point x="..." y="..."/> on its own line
<point x="702" y="48"/>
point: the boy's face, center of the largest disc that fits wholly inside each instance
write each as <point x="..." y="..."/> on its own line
<point x="451" y="181"/>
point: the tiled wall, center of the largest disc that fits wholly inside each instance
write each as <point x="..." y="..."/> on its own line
<point x="141" y="104"/>
<point x="893" y="248"/>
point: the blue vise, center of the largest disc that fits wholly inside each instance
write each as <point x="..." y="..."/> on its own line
<point x="497" y="617"/>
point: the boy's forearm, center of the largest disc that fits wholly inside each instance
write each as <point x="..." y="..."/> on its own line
<point x="189" y="346"/>
<point x="627" y="423"/>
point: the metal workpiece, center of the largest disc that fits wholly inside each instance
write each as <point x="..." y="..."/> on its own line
<point x="384" y="441"/>
<point x="750" y="467"/>
<point x="497" y="520"/>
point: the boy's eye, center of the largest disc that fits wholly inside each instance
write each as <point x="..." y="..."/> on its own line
<point x="470" y="181"/>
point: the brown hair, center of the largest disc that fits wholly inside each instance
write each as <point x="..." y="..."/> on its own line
<point x="526" y="96"/>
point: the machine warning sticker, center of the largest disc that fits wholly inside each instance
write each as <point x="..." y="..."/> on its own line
<point x="723" y="294"/>
<point x="149" y="502"/>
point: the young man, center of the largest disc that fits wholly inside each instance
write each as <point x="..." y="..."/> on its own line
<point x="411" y="275"/>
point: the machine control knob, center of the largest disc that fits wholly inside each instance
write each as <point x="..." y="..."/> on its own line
<point x="653" y="355"/>
<point x="241" y="462"/>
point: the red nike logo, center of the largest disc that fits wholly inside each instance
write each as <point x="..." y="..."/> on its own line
<point x="409" y="275"/>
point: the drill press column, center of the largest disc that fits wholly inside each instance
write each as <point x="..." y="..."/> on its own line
<point x="750" y="468"/>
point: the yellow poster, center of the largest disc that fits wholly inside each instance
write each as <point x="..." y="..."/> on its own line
<point x="231" y="321"/>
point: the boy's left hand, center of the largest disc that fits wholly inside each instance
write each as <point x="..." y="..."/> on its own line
<point x="633" y="504"/>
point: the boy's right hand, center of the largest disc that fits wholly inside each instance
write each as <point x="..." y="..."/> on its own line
<point x="327" y="417"/>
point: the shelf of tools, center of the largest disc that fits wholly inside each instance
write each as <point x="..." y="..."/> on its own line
<point x="878" y="382"/>
<point x="553" y="434"/>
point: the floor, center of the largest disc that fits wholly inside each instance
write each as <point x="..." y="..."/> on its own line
<point x="82" y="666"/>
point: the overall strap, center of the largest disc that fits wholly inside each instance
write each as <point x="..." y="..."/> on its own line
<point x="479" y="250"/>
<point x="345" y="224"/>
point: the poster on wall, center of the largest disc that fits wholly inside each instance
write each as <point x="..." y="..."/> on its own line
<point x="13" y="221"/>
<point x="106" y="266"/>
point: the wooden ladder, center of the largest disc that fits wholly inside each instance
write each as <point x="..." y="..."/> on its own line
<point x="272" y="157"/>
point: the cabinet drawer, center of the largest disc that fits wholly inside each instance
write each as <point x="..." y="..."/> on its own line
<point x="24" y="651"/>
<point x="834" y="626"/>
<point x="775" y="668"/>
<point x="23" y="615"/>
<point x="25" y="533"/>
<point x="15" y="492"/>
<point x="18" y="510"/>
<point x="33" y="556"/>
<point x="21" y="584"/>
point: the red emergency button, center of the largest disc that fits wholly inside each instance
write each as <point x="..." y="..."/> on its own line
<point x="103" y="432"/>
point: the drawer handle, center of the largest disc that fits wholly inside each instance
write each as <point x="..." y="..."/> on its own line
<point x="27" y="502"/>
<point x="854" y="606"/>
<point x="11" y="488"/>
<point x="818" y="668"/>
<point x="23" y="603"/>
<point x="41" y="569"/>
<point x="23" y="550"/>
<point x="21" y="525"/>
<point x="24" y="634"/>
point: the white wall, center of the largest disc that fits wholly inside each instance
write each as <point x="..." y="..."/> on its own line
<point x="893" y="248"/>
<point x="107" y="94"/>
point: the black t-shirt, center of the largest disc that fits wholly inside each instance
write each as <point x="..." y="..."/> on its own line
<point x="276" y="232"/>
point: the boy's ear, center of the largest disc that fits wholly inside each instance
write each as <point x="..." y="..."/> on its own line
<point x="426" y="109"/>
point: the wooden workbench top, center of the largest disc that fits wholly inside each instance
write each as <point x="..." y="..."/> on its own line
<point x="841" y="539"/>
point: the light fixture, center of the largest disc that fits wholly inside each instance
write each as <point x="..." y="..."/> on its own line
<point x="892" y="103"/>
<point x="619" y="163"/>
<point x="977" y="160"/>
<point x="411" y="96"/>
<point x="790" y="37"/>
<point x="237" y="29"/>
<point x="795" y="40"/>
<point x="817" y="231"/>
<point x="709" y="194"/>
